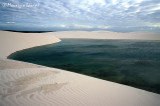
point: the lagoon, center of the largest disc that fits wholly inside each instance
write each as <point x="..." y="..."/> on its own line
<point x="130" y="62"/>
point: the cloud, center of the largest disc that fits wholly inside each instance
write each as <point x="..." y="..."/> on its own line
<point x="82" y="26"/>
<point x="60" y="26"/>
<point x="103" y="27"/>
<point x="54" y="26"/>
<point x="63" y="26"/>
<point x="114" y="2"/>
<point x="10" y="22"/>
<point x="154" y="25"/>
<point x="82" y="14"/>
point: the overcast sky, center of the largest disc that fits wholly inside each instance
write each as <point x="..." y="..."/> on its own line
<point x="112" y="15"/>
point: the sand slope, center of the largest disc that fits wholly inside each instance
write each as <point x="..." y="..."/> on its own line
<point x="13" y="41"/>
<point x="25" y="84"/>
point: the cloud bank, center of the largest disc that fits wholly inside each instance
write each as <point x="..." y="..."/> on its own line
<point x="127" y="15"/>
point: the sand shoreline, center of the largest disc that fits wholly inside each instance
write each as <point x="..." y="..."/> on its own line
<point x="26" y="84"/>
<point x="111" y="39"/>
<point x="106" y="35"/>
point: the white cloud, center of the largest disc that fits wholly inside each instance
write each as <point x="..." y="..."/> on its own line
<point x="87" y="2"/>
<point x="103" y="27"/>
<point x="114" y="2"/>
<point x="10" y="22"/>
<point x="59" y="26"/>
<point x="91" y="2"/>
<point x="82" y="26"/>
<point x="54" y="26"/>
<point x="126" y="5"/>
<point x="63" y="26"/>
<point x="139" y="1"/>
<point x="156" y="8"/>
<point x="154" y="25"/>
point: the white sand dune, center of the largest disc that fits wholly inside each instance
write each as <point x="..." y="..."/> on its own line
<point x="13" y="41"/>
<point x="26" y="84"/>
<point x="107" y="35"/>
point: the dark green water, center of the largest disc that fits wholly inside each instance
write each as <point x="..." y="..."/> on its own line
<point x="133" y="63"/>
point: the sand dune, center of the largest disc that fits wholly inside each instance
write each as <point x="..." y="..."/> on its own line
<point x="25" y="84"/>
<point x="13" y="41"/>
<point x="107" y="35"/>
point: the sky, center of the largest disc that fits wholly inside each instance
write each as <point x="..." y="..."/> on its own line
<point x="89" y="15"/>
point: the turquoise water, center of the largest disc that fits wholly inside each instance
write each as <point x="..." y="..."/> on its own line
<point x="133" y="63"/>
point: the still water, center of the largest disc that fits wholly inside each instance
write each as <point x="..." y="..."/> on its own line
<point x="129" y="62"/>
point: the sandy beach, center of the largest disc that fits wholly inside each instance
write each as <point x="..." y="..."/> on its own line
<point x="26" y="84"/>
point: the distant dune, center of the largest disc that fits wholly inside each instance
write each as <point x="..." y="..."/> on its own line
<point x="29" y="31"/>
<point x="26" y="84"/>
<point x="107" y="35"/>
